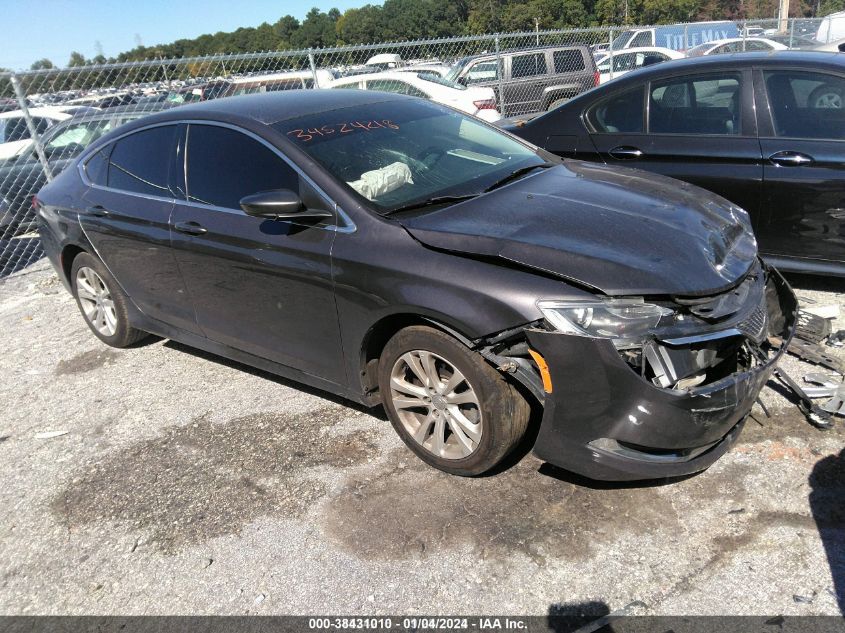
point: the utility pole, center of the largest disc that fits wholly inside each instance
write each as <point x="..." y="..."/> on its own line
<point x="537" y="29"/>
<point x="783" y="16"/>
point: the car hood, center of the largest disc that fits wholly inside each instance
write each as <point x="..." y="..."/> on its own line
<point x="620" y="231"/>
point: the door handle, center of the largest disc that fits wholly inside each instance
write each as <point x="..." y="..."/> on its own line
<point x="790" y="159"/>
<point x="625" y="152"/>
<point x="97" y="211"/>
<point x="191" y="228"/>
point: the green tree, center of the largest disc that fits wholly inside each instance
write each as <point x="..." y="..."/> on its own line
<point x="317" y="30"/>
<point x="42" y="64"/>
<point x="361" y="26"/>
<point x="668" y="11"/>
<point x="76" y="59"/>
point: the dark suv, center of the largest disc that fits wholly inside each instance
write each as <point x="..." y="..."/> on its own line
<point x="530" y="80"/>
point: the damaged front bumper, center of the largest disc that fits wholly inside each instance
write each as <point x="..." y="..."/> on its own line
<point x="606" y="420"/>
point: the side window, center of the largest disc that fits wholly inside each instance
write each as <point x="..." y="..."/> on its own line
<point x="528" y="65"/>
<point x="628" y="61"/>
<point x="225" y="165"/>
<point x="140" y="162"/>
<point x="16" y="130"/>
<point x="643" y="38"/>
<point x="394" y="85"/>
<point x="481" y="72"/>
<point x="622" y="113"/>
<point x="97" y="167"/>
<point x="350" y="86"/>
<point x="755" y="45"/>
<point x="568" y="61"/>
<point x="806" y="104"/>
<point x="707" y="105"/>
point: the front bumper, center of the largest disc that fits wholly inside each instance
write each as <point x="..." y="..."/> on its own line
<point x="605" y="421"/>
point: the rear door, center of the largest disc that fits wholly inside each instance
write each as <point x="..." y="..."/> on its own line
<point x="128" y="221"/>
<point x="701" y="129"/>
<point x="802" y="134"/>
<point x="259" y="285"/>
<point x="528" y="77"/>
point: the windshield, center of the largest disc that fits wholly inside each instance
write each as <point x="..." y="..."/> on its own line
<point x="437" y="79"/>
<point x="453" y="73"/>
<point x="622" y="40"/>
<point x="400" y="153"/>
<point x="699" y="50"/>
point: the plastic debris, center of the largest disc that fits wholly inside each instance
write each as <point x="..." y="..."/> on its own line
<point x="823" y="386"/>
<point x="836" y="405"/>
<point x="826" y="312"/>
<point x="811" y="327"/>
<point x="837" y="339"/>
<point x="817" y="416"/>
<point x="47" y="435"/>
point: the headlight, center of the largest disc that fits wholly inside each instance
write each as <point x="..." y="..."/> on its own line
<point x="626" y="321"/>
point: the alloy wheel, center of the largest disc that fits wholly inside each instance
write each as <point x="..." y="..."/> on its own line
<point x="96" y="301"/>
<point x="436" y="404"/>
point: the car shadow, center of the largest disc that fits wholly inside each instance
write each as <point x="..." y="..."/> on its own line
<point x="17" y="253"/>
<point x="377" y="412"/>
<point x="827" y="492"/>
<point x="820" y="283"/>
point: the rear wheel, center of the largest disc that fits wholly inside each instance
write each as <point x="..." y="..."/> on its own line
<point x="102" y="302"/>
<point x="450" y="407"/>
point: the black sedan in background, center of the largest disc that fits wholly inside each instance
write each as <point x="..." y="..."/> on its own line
<point x="399" y="252"/>
<point x="23" y="175"/>
<point x="764" y="130"/>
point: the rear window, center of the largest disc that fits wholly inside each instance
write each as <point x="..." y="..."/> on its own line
<point x="568" y="61"/>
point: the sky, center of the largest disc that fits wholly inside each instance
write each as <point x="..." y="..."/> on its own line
<point x="54" y="28"/>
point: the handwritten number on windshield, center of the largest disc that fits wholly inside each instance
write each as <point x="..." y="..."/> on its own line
<point x="346" y="127"/>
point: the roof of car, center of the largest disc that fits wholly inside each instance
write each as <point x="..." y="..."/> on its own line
<point x="269" y="107"/>
<point x="809" y="59"/>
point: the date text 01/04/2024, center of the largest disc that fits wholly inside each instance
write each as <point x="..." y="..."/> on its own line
<point x="418" y="623"/>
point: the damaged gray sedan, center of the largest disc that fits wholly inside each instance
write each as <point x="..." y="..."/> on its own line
<point x="397" y="252"/>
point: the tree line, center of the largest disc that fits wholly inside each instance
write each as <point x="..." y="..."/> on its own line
<point x="398" y="20"/>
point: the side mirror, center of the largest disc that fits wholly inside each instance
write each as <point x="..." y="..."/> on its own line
<point x="279" y="204"/>
<point x="463" y="81"/>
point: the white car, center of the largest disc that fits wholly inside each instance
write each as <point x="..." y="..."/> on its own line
<point x="736" y="45"/>
<point x="475" y="100"/>
<point x="436" y="69"/>
<point x="629" y="59"/>
<point x="14" y="132"/>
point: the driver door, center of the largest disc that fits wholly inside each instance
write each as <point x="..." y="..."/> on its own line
<point x="259" y="285"/>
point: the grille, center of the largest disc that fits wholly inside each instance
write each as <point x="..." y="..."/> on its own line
<point x="754" y="326"/>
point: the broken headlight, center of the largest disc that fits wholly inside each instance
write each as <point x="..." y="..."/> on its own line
<point x="626" y="321"/>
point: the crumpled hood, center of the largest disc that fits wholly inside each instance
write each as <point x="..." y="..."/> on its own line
<point x="621" y="231"/>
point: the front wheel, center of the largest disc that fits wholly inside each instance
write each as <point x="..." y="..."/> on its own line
<point x="447" y="404"/>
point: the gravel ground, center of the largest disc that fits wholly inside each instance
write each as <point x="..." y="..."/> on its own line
<point x="187" y="484"/>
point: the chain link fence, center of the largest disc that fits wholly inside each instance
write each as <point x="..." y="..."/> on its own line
<point x="48" y="117"/>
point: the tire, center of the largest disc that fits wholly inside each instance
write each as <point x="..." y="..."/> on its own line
<point x="102" y="303"/>
<point x="480" y="409"/>
<point x="826" y="97"/>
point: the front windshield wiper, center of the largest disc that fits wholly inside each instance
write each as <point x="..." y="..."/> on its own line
<point x="516" y="174"/>
<point x="430" y="202"/>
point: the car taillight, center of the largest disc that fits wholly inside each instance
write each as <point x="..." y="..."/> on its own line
<point x="485" y="104"/>
<point x="596" y="78"/>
